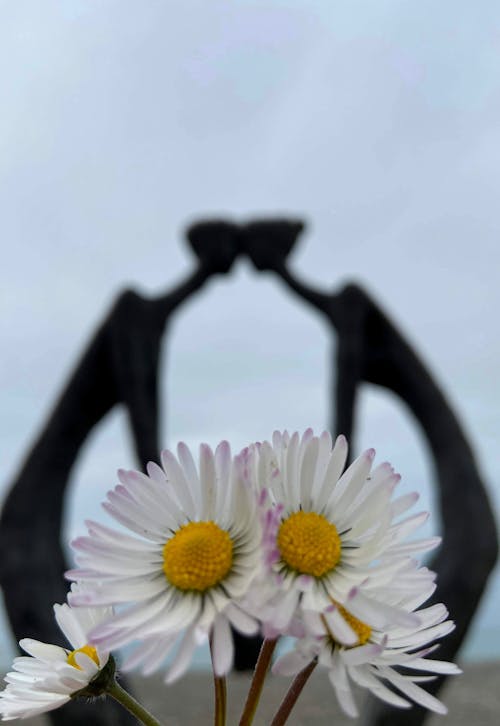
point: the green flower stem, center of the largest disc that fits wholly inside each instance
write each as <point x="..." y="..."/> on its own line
<point x="128" y="702"/>
<point x="259" y="676"/>
<point x="292" y="695"/>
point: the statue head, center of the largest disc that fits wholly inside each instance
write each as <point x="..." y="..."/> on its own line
<point x="215" y="244"/>
<point x="269" y="242"/>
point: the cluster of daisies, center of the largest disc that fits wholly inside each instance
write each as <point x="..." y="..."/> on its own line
<point x="281" y="539"/>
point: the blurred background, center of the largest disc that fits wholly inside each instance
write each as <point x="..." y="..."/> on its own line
<point x="379" y="123"/>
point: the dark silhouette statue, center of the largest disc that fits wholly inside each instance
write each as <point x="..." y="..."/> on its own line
<point x="120" y="366"/>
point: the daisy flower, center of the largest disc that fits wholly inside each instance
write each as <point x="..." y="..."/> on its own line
<point x="183" y="572"/>
<point x="371" y="661"/>
<point x="50" y="675"/>
<point x="327" y="530"/>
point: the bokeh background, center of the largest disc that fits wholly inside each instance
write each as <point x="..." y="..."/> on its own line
<point x="378" y="122"/>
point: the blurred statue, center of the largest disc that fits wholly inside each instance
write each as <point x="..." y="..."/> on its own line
<point x="120" y="366"/>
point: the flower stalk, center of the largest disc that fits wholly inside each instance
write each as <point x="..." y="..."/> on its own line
<point x="134" y="707"/>
<point x="257" y="684"/>
<point x="220" y="701"/>
<point x="292" y="694"/>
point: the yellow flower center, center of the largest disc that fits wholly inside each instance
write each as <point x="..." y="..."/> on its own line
<point x="198" y="556"/>
<point x="309" y="543"/>
<point x="88" y="650"/>
<point x="362" y="630"/>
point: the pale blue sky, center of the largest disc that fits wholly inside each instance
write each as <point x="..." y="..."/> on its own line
<point x="379" y="122"/>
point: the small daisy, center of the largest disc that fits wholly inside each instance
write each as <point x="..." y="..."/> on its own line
<point x="184" y="575"/>
<point x="325" y="531"/>
<point x="371" y="661"/>
<point x="50" y="676"/>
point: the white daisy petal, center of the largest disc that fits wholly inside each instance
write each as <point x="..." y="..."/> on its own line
<point x="150" y="653"/>
<point x="129" y="521"/>
<point x="290" y="465"/>
<point x="408" y="687"/>
<point x="240" y="620"/>
<point x="43" y="651"/>
<point x="361" y="654"/>
<point x="380" y="614"/>
<point x="365" y="679"/>
<point x="352" y="480"/>
<point x="323" y="459"/>
<point x="111" y="536"/>
<point x="179" y="483"/>
<point x="156" y="473"/>
<point x="187" y="462"/>
<point x="403" y="529"/>
<point x="139" y="614"/>
<point x="436" y="666"/>
<point x="207" y="477"/>
<point x="409" y="548"/>
<point x="223" y="468"/>
<point x="16" y="708"/>
<point x="419" y="638"/>
<point x="291" y="663"/>
<point x="339" y="628"/>
<point x="403" y="503"/>
<point x="68" y="620"/>
<point x="222" y="646"/>
<point x="183" y="657"/>
<point x="307" y="471"/>
<point x="333" y="472"/>
<point x="340" y="682"/>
